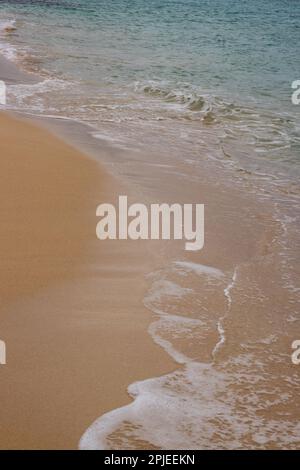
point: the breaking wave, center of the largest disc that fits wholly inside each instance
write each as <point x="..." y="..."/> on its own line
<point x="204" y="404"/>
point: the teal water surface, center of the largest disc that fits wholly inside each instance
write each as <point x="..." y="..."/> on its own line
<point x="176" y="65"/>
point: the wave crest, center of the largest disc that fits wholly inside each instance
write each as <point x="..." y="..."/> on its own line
<point x="184" y="95"/>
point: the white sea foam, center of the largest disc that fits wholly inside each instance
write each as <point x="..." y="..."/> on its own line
<point x="7" y="26"/>
<point x="199" y="269"/>
<point x="8" y="51"/>
<point x="163" y="287"/>
<point x="174" y="326"/>
<point x="178" y="410"/>
<point x="195" y="406"/>
<point x="221" y="330"/>
<point x="198" y="406"/>
<point x="191" y="407"/>
<point x="161" y="410"/>
<point x="32" y="97"/>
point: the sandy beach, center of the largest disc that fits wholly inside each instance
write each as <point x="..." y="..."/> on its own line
<point x="71" y="311"/>
<point x="143" y="344"/>
<point x="72" y="307"/>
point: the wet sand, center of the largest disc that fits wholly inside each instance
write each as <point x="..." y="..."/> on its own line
<point x="71" y="308"/>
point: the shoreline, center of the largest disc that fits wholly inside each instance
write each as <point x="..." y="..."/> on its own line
<point x="243" y="246"/>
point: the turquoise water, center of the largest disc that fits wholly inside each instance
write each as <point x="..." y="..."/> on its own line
<point x="167" y="68"/>
<point x="247" y="48"/>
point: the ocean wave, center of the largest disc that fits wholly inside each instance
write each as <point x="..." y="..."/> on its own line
<point x="184" y="95"/>
<point x="265" y="135"/>
<point x="199" y="269"/>
<point x="35" y="97"/>
<point x="192" y="408"/>
<point x="202" y="405"/>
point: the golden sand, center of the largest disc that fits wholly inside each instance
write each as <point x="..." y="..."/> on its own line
<point x="71" y="310"/>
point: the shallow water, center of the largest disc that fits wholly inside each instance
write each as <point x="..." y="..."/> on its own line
<point x="163" y="70"/>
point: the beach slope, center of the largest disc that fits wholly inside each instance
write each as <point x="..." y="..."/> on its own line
<point x="71" y="306"/>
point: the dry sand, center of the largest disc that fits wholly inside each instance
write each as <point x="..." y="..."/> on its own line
<point x="71" y="306"/>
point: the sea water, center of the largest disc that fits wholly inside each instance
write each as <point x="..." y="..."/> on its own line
<point x="223" y="66"/>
